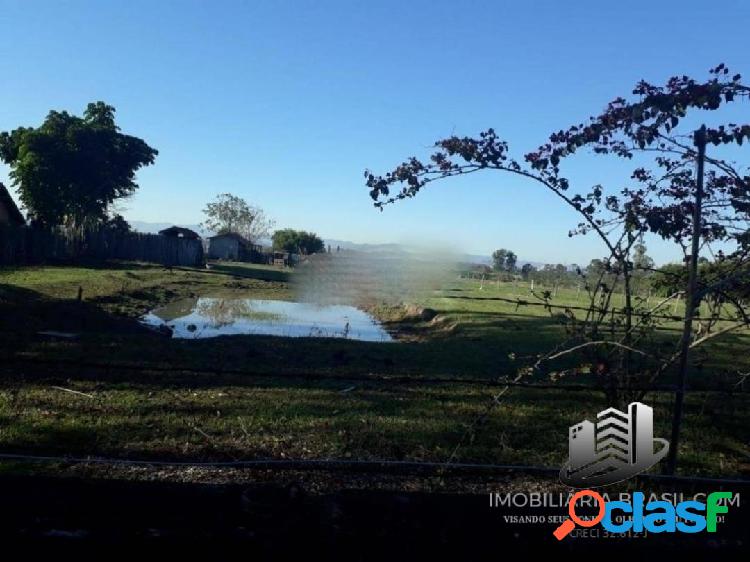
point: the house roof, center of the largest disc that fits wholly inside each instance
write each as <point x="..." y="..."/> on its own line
<point x="179" y="231"/>
<point x="7" y="201"/>
<point x="232" y="235"/>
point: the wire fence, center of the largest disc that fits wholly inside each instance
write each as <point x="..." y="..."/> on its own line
<point x="14" y="363"/>
<point x="422" y="468"/>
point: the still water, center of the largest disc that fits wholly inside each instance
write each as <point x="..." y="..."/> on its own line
<point x="211" y="317"/>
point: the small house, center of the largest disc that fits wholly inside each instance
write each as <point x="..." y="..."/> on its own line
<point x="9" y="213"/>
<point x="232" y="246"/>
<point x="179" y="232"/>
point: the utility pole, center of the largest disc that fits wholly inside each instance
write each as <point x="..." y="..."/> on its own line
<point x="699" y="140"/>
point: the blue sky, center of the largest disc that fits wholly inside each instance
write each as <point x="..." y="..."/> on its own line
<point x="286" y="103"/>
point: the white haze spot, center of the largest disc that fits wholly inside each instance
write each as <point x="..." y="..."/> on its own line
<point x="394" y="275"/>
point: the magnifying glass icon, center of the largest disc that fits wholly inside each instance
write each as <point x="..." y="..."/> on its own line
<point x="569" y="524"/>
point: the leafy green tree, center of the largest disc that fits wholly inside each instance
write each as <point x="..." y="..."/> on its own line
<point x="504" y="260"/>
<point x="231" y="214"/>
<point x="310" y="243"/>
<point x="297" y="241"/>
<point x="643" y="269"/>
<point x="510" y="261"/>
<point x="641" y="260"/>
<point x="285" y="240"/>
<point x="670" y="280"/>
<point x="498" y="259"/>
<point x="71" y="169"/>
<point x="596" y="267"/>
<point x="118" y="223"/>
<point x="527" y="270"/>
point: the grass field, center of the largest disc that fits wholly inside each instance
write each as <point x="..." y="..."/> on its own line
<point x="245" y="397"/>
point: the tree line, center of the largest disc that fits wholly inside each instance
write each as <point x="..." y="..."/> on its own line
<point x="71" y="171"/>
<point x="647" y="279"/>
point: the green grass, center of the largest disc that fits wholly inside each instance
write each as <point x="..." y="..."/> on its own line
<point x="268" y="419"/>
<point x="128" y="280"/>
<point x="292" y="398"/>
<point x="468" y="309"/>
<point x="467" y="296"/>
<point x="36" y="298"/>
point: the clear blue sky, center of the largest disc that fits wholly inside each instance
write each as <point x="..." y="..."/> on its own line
<point x="286" y="103"/>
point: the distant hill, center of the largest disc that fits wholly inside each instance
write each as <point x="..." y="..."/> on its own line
<point x="464" y="258"/>
<point x="346" y="245"/>
<point x="155" y="227"/>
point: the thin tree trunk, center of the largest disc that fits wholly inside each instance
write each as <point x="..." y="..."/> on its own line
<point x="628" y="309"/>
<point x="690" y="303"/>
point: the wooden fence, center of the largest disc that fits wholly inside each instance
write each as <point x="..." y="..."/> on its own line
<point x="27" y="245"/>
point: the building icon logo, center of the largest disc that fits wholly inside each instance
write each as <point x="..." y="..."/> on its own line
<point x="617" y="447"/>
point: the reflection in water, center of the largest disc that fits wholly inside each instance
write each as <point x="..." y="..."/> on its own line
<point x="177" y="309"/>
<point x="211" y="317"/>
<point x="223" y="312"/>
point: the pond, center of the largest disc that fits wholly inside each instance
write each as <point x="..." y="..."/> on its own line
<point x="211" y="317"/>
